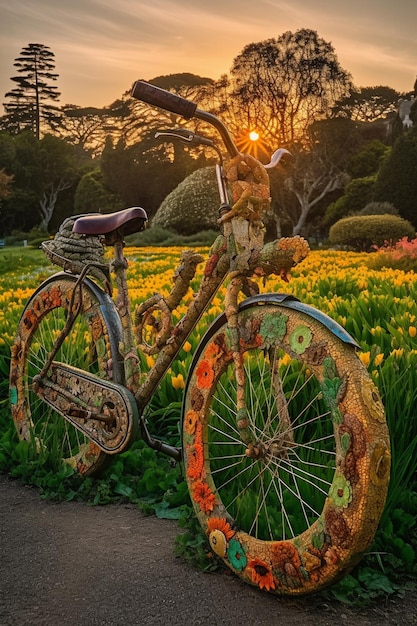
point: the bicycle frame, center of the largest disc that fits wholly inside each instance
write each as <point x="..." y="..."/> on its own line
<point x="238" y="253"/>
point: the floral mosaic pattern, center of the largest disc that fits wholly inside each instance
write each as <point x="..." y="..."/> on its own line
<point x="332" y="543"/>
<point x="51" y="297"/>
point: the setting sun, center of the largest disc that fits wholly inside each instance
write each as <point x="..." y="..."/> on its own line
<point x="251" y="142"/>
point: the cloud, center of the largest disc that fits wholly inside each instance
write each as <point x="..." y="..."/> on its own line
<point x="102" y="46"/>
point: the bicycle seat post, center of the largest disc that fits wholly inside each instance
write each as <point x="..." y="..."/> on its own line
<point x="119" y="266"/>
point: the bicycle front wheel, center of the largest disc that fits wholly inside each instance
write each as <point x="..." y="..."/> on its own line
<point x="289" y="489"/>
<point x="91" y="345"/>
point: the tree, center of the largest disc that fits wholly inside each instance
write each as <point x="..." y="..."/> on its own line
<point x="59" y="167"/>
<point x="368" y="104"/>
<point x="367" y="160"/>
<point x="30" y="103"/>
<point x="91" y="195"/>
<point x="397" y="177"/>
<point x="282" y="85"/>
<point x="5" y="182"/>
<point x="357" y="194"/>
<point x="145" y="173"/>
<point x="43" y="173"/>
<point x="89" y="127"/>
<point x="316" y="170"/>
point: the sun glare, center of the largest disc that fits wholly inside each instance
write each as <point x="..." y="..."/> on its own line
<point x="251" y="142"/>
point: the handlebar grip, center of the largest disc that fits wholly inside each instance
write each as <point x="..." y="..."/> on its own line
<point x="163" y="99"/>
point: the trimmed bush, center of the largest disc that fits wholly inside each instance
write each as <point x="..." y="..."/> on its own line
<point x="379" y="208"/>
<point x="363" y="232"/>
<point x="192" y="206"/>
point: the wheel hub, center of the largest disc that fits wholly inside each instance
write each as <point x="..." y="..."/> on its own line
<point x="259" y="450"/>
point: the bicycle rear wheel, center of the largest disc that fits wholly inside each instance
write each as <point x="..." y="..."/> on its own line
<point x="91" y="345"/>
<point x="290" y="491"/>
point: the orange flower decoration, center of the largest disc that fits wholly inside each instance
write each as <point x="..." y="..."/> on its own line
<point x="198" y="437"/>
<point x="212" y="352"/>
<point x="203" y="496"/>
<point x="261" y="574"/>
<point x="205" y="375"/>
<point x="55" y="296"/>
<point x="195" y="461"/>
<point x="191" y="419"/>
<point x="30" y="319"/>
<point x="219" y="523"/>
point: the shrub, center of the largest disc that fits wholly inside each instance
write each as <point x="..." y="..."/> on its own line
<point x="192" y="206"/>
<point x="379" y="208"/>
<point x="364" y="232"/>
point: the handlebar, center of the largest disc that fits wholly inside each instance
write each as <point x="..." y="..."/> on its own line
<point x="163" y="99"/>
<point x="181" y="106"/>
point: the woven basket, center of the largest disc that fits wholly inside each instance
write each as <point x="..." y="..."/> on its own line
<point x="73" y="252"/>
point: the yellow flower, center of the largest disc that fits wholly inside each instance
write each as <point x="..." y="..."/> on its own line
<point x="378" y="359"/>
<point x="285" y="360"/>
<point x="375" y="330"/>
<point x="187" y="346"/>
<point x="178" y="381"/>
<point x="397" y="352"/>
<point x="365" y="357"/>
<point x="412" y="331"/>
<point x="150" y="361"/>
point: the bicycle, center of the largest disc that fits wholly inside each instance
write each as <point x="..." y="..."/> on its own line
<point x="284" y="442"/>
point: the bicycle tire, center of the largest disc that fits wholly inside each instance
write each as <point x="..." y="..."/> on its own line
<point x="50" y="437"/>
<point x="293" y="510"/>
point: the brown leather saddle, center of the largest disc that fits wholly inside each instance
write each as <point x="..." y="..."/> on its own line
<point x="113" y="226"/>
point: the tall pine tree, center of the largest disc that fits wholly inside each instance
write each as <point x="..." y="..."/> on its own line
<point x="30" y="103"/>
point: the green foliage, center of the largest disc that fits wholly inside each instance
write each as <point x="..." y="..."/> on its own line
<point x="191" y="544"/>
<point x="192" y="206"/>
<point x="379" y="208"/>
<point x="367" y="160"/>
<point x="365" y="232"/>
<point x="397" y="178"/>
<point x="91" y="195"/>
<point x="12" y="259"/>
<point x="358" y="193"/>
<point x="45" y="175"/>
<point x="145" y="173"/>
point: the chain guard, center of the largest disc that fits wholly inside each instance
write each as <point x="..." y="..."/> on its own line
<point x="104" y="411"/>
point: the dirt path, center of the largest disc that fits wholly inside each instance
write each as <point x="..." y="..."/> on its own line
<point x="70" y="563"/>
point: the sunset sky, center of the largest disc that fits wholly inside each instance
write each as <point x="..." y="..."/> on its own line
<point x="102" y="46"/>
